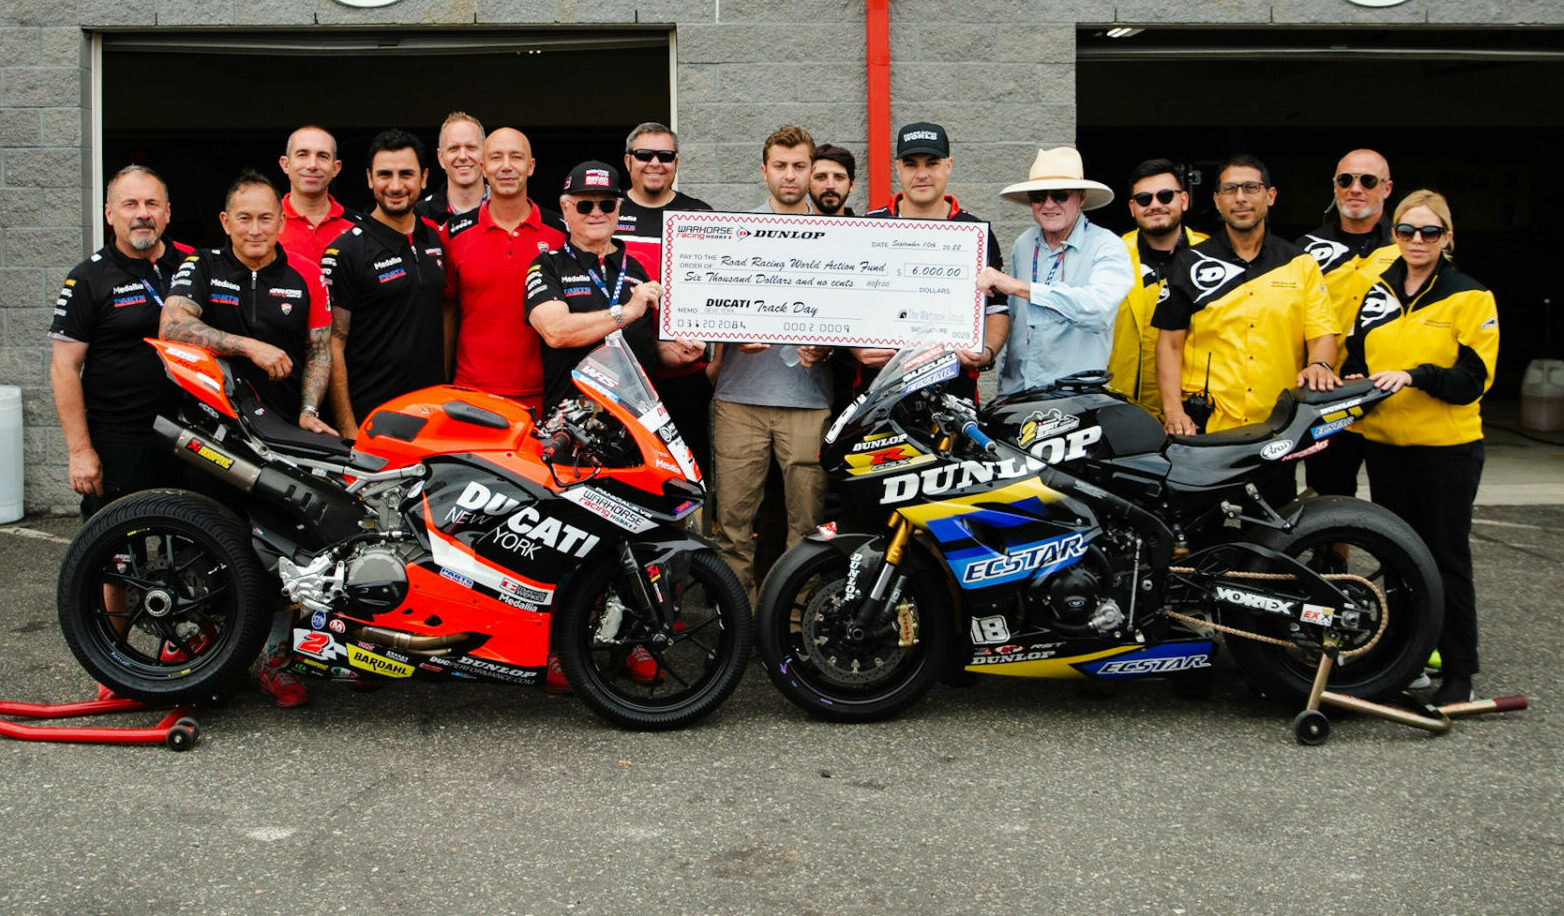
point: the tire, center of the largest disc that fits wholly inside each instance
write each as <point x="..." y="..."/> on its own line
<point x="1382" y="549"/>
<point x="810" y="661"/>
<point x="698" y="668"/>
<point x="182" y="566"/>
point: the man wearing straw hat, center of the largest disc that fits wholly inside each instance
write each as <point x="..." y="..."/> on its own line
<point x="1068" y="276"/>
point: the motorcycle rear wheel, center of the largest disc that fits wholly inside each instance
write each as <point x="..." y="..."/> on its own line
<point x="798" y="634"/>
<point x="697" y="669"/>
<point x="1381" y="548"/>
<point x="161" y="598"/>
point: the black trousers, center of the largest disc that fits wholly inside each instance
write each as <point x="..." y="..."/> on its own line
<point x="129" y="467"/>
<point x="1432" y="487"/>
<point x="1334" y="471"/>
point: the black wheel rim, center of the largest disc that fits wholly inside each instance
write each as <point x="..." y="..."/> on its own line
<point x="159" y="601"/>
<point x="690" y="655"/>
<point x="822" y="655"/>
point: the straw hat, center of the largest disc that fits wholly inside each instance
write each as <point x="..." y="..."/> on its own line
<point x="1059" y="169"/>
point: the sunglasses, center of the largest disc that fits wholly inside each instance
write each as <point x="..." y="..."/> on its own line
<point x="1164" y="196"/>
<point x="1057" y="197"/>
<point x="1367" y="180"/>
<point x="668" y="155"/>
<point x="1406" y="231"/>
<point x="606" y="204"/>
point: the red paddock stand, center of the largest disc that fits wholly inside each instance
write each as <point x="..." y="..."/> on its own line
<point x="176" y="730"/>
<point x="1311" y="727"/>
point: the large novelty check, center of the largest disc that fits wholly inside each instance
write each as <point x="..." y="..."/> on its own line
<point x="779" y="278"/>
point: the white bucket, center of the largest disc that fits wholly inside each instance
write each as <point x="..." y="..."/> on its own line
<point x="1542" y="396"/>
<point x="10" y="453"/>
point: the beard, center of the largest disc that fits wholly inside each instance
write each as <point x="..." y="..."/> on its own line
<point x="390" y="209"/>
<point x="828" y="204"/>
<point x="142" y="241"/>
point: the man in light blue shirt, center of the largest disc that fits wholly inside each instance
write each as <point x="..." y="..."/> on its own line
<point x="1067" y="277"/>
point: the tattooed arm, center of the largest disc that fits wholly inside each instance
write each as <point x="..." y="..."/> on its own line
<point x="341" y="404"/>
<point x="181" y="322"/>
<point x="317" y="374"/>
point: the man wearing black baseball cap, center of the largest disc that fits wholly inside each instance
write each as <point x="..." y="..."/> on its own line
<point x="580" y="293"/>
<point x="586" y="289"/>
<point x="923" y="167"/>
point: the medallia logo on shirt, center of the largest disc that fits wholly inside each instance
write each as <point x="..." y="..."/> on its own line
<point x="1324" y="251"/>
<point x="1209" y="275"/>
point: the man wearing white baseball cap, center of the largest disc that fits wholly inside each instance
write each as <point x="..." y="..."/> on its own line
<point x="1067" y="276"/>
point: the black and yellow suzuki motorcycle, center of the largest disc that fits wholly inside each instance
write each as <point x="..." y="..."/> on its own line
<point x="1060" y="533"/>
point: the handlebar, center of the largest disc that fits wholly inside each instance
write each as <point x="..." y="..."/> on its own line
<point x="971" y="431"/>
<point x="560" y="439"/>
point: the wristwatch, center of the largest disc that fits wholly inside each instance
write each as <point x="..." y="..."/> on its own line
<point x="617" y="312"/>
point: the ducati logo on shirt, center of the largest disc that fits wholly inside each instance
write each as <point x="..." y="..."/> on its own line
<point x="287" y="308"/>
<point x="1324" y="251"/>
<point x="1209" y="275"/>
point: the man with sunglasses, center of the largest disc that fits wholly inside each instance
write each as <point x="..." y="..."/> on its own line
<point x="487" y="254"/>
<point x="1244" y="315"/>
<point x="652" y="162"/>
<point x="1069" y="276"/>
<point x="1352" y="251"/>
<point x="923" y="169"/>
<point x="1158" y="201"/>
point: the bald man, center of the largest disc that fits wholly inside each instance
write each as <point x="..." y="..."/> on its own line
<point x="311" y="218"/>
<point x="1352" y="251"/>
<point x="488" y="342"/>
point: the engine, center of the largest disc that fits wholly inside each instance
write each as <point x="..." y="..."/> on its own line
<point x="372" y="578"/>
<point x="1084" y="599"/>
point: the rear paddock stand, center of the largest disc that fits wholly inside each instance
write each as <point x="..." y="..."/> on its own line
<point x="1311" y="727"/>
<point x="177" y="729"/>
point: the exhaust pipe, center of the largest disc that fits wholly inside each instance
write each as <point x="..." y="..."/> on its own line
<point x="196" y="449"/>
<point x="427" y="645"/>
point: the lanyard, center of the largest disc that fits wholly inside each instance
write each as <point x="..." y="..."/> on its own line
<point x="1037" y="253"/>
<point x="153" y="293"/>
<point x="597" y="281"/>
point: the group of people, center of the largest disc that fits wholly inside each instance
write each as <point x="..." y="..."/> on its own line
<point x="329" y="313"/>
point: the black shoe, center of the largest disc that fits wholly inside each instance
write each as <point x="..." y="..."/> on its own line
<point x="1455" y="689"/>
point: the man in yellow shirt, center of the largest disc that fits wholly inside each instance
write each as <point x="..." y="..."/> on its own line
<point x="1352" y="251"/>
<point x="1157" y="201"/>
<point x="1244" y="315"/>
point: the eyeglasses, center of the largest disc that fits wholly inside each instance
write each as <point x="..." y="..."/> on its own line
<point x="606" y="204"/>
<point x="661" y="155"/>
<point x="1368" y="180"/>
<point x="1057" y="197"/>
<point x="1248" y="187"/>
<point x="1406" y="231"/>
<point x="1164" y="196"/>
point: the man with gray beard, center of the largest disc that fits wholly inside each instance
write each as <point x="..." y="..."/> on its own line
<point x="108" y="383"/>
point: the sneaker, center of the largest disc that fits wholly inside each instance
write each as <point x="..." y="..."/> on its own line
<point x="282" y="685"/>
<point x="642" y="667"/>
<point x="1455" y="689"/>
<point x="554" y="681"/>
<point x="172" y="654"/>
<point x="1421" y="682"/>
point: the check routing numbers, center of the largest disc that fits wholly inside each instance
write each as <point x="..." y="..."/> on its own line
<point x="836" y="281"/>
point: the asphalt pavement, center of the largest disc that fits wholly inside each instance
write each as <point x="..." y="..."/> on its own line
<point x="1008" y="796"/>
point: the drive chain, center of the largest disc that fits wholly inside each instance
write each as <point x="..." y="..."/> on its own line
<point x="1384" y="605"/>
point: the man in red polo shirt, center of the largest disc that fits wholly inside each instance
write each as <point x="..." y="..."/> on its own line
<point x="487" y="254"/>
<point x="311" y="217"/>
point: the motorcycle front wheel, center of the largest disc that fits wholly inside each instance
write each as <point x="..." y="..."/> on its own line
<point x="803" y="633"/>
<point x="1342" y="535"/>
<point x="698" y="661"/>
<point x="161" y="598"/>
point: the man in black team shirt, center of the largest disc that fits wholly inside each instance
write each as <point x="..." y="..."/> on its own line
<point x="250" y="299"/>
<point x="460" y="154"/>
<point x="583" y="291"/>
<point x="108" y="384"/>
<point x="387" y="281"/>
<point x="652" y="162"/>
<point x="923" y="168"/>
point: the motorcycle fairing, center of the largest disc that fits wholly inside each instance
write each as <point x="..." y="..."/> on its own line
<point x="198" y="372"/>
<point x="1102" y="659"/>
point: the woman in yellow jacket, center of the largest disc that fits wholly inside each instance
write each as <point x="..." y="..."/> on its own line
<point x="1431" y="334"/>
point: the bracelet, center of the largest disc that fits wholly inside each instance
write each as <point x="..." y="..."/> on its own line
<point x="1321" y="362"/>
<point x="312" y="411"/>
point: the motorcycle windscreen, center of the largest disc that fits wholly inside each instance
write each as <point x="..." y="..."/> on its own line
<point x="612" y="373"/>
<point x="918" y="365"/>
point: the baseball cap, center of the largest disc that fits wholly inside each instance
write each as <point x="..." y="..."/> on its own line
<point x="922" y="137"/>
<point x="592" y="176"/>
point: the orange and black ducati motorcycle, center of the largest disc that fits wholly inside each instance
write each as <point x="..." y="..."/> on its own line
<point x="454" y="538"/>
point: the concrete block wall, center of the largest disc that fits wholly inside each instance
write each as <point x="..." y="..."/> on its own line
<point x="999" y="74"/>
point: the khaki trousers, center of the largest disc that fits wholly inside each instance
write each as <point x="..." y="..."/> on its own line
<point x="744" y="438"/>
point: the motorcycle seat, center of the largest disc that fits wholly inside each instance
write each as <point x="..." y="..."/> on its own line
<point x="1281" y="417"/>
<point x="287" y="437"/>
